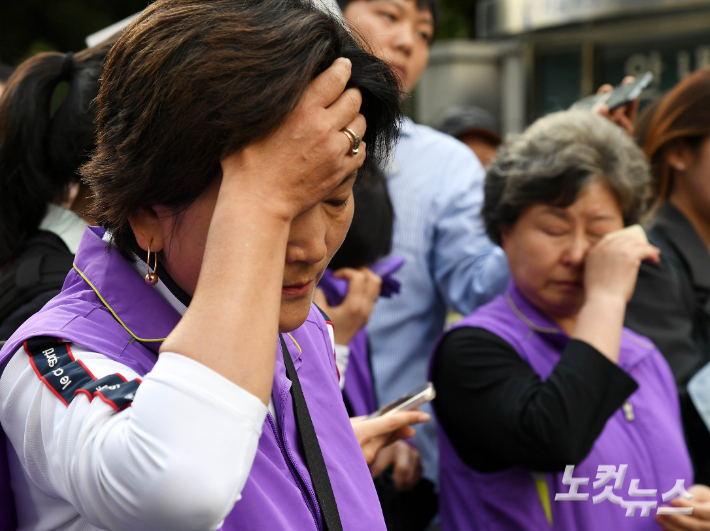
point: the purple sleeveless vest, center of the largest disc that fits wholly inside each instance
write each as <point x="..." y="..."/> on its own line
<point x="651" y="444"/>
<point x="278" y="493"/>
<point x="359" y="386"/>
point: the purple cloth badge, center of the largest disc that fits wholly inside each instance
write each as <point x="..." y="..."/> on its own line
<point x="359" y="387"/>
<point x="335" y="289"/>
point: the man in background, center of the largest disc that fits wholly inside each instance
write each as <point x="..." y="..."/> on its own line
<point x="475" y="127"/>
<point x="435" y="183"/>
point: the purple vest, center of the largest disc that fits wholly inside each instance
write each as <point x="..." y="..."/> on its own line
<point x="278" y="493"/>
<point x="652" y="444"/>
<point x="359" y="386"/>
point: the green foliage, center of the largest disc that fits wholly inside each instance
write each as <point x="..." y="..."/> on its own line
<point x="38" y="46"/>
<point x="28" y="27"/>
<point x="458" y="19"/>
<point x="58" y="96"/>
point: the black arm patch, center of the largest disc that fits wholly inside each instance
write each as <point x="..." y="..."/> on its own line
<point x="67" y="380"/>
<point x="54" y="364"/>
<point x="47" y="355"/>
<point x="119" y="396"/>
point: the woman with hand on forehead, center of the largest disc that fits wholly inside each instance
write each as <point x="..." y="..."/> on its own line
<point x="544" y="384"/>
<point x="226" y="154"/>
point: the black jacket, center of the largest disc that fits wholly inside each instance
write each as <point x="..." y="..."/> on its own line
<point x="671" y="307"/>
<point x="34" y="278"/>
<point x="499" y="413"/>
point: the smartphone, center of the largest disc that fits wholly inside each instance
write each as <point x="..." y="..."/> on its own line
<point x="621" y="95"/>
<point x="415" y="398"/>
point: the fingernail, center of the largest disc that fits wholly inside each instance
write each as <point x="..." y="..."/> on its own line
<point x="423" y="417"/>
<point x="347" y="61"/>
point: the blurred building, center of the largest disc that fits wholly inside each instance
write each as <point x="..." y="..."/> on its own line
<point x="537" y="56"/>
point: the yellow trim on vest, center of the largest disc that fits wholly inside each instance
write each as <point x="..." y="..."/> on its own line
<point x="295" y="342"/>
<point x="114" y="313"/>
<point x="128" y="329"/>
<point x="543" y="492"/>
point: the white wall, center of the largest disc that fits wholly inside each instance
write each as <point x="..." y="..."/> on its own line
<point x="485" y="74"/>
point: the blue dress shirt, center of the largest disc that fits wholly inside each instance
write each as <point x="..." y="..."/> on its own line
<point x="436" y="187"/>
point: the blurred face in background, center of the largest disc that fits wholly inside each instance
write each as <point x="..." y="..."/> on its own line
<point x="484" y="149"/>
<point x="547" y="248"/>
<point x="691" y="184"/>
<point x="398" y="32"/>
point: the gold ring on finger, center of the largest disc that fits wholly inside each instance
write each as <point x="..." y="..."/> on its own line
<point x="354" y="140"/>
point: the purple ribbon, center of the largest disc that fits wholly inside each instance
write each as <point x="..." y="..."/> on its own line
<point x="335" y="289"/>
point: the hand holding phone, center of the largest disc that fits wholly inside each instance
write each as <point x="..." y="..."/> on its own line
<point x="374" y="433"/>
<point x="619" y="105"/>
<point x="621" y="95"/>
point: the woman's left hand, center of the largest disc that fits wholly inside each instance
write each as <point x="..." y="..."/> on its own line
<point x="698" y="521"/>
<point x="612" y="265"/>
<point x="610" y="271"/>
<point x="353" y="313"/>
<point x="625" y="115"/>
<point x="406" y="465"/>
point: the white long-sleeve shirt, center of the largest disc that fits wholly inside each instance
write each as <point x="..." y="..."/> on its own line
<point x="177" y="458"/>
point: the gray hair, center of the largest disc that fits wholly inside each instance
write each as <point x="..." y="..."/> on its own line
<point x="555" y="159"/>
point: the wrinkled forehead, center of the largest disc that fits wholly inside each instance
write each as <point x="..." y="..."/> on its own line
<point x="595" y="202"/>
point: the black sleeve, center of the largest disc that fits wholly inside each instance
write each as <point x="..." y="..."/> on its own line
<point x="657" y="310"/>
<point x="12" y="322"/>
<point x="661" y="311"/>
<point x="498" y="413"/>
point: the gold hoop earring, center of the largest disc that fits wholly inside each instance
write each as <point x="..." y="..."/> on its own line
<point x="151" y="277"/>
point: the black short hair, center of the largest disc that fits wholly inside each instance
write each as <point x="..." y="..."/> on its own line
<point x="191" y="81"/>
<point x="370" y="236"/>
<point x="431" y="5"/>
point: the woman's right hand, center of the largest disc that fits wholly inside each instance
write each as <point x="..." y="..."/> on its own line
<point x="308" y="155"/>
<point x="264" y="186"/>
<point x="612" y="266"/>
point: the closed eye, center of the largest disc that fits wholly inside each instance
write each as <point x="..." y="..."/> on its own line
<point x="555" y="232"/>
<point x="338" y="204"/>
<point x="388" y="14"/>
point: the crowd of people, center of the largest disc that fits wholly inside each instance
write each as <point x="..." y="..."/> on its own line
<point x="223" y="250"/>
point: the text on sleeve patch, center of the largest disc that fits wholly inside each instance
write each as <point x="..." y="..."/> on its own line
<point x="54" y="363"/>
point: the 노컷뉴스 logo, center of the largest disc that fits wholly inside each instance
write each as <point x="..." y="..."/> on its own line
<point x="605" y="473"/>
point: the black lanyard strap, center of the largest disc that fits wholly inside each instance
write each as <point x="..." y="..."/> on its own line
<point x="314" y="457"/>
